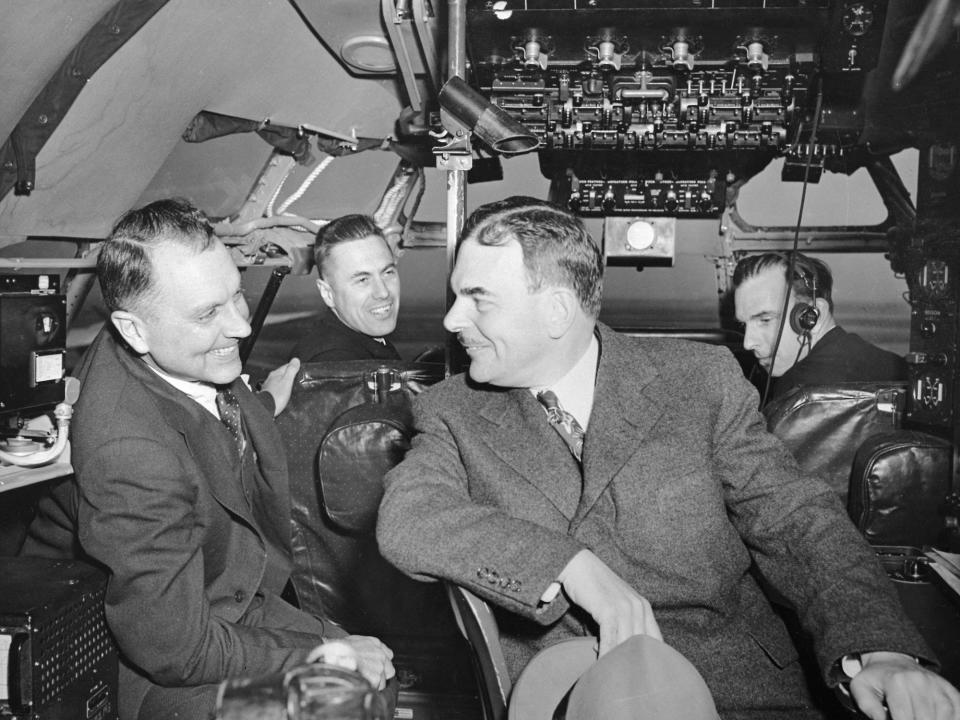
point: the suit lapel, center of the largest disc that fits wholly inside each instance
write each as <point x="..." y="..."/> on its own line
<point x="627" y="403"/>
<point x="516" y="430"/>
<point x="202" y="433"/>
<point x="211" y="451"/>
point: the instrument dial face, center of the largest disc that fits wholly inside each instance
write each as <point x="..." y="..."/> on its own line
<point x="857" y="18"/>
<point x="935" y="278"/>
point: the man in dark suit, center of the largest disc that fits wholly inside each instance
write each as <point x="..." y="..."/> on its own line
<point x="181" y="489"/>
<point x="360" y="286"/>
<point x="812" y="348"/>
<point x="658" y="520"/>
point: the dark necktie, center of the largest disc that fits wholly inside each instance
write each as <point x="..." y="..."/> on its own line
<point x="229" y="408"/>
<point x="563" y="422"/>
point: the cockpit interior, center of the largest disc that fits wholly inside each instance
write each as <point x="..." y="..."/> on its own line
<point x="685" y="134"/>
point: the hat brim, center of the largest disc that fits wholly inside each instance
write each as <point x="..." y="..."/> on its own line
<point x="641" y="679"/>
<point x="549" y="676"/>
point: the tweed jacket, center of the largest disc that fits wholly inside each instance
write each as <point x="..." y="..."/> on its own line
<point x="194" y="568"/>
<point x="684" y="494"/>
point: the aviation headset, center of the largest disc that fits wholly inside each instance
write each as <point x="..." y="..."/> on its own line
<point x="805" y="316"/>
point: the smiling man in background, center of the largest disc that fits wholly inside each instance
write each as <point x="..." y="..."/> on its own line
<point x="360" y="285"/>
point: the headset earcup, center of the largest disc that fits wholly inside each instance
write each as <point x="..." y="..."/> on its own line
<point x="803" y="318"/>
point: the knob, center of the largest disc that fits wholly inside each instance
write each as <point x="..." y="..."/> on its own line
<point x="757" y="59"/>
<point x="682" y="57"/>
<point x="533" y="55"/>
<point x="928" y="328"/>
<point x="592" y="85"/>
<point x="607" y="54"/>
<point x="609" y="201"/>
<point x="671" y="201"/>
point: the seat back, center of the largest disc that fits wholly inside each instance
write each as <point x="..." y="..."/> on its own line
<point x="347" y="423"/>
<point x="476" y="621"/>
<point x="544" y="683"/>
<point x="899" y="488"/>
<point x="894" y="482"/>
<point x="823" y="425"/>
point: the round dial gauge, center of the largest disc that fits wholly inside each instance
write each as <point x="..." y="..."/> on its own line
<point x="857" y="18"/>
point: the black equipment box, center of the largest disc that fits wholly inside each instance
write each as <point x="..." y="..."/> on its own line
<point x="57" y="657"/>
<point x="33" y="340"/>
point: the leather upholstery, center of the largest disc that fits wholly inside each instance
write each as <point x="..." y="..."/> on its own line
<point x="898" y="487"/>
<point x="823" y="425"/>
<point x="360" y="446"/>
<point x="893" y="481"/>
<point x="342" y="433"/>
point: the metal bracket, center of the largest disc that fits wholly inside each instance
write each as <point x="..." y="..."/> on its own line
<point x="18" y="154"/>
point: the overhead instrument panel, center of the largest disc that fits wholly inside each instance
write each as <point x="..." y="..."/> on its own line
<point x="656" y="107"/>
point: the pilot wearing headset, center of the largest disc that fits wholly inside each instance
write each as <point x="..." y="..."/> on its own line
<point x="813" y="349"/>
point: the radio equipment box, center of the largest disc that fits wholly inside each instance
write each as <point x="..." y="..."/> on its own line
<point x="57" y="657"/>
<point x="33" y="339"/>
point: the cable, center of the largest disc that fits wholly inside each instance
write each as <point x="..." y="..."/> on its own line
<point x="791" y="262"/>
<point x="805" y="342"/>
<point x="268" y="212"/>
<point x="392" y="200"/>
<point x="314" y="174"/>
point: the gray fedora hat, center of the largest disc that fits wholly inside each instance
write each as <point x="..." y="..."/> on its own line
<point x="640" y="679"/>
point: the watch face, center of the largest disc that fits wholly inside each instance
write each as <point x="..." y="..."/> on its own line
<point x="857" y="18"/>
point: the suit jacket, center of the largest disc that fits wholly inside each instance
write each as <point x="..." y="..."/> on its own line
<point x="839" y="357"/>
<point x="195" y="570"/>
<point x="330" y="339"/>
<point x="684" y="494"/>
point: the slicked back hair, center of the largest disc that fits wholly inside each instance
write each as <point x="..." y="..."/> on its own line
<point x="343" y="229"/>
<point x="557" y="249"/>
<point x="124" y="267"/>
<point x="811" y="279"/>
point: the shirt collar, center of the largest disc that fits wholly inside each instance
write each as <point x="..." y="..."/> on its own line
<point x="202" y="393"/>
<point x="575" y="390"/>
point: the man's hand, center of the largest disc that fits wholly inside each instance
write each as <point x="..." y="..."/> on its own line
<point x="367" y="655"/>
<point x="897" y="682"/>
<point x="619" y="610"/>
<point x="279" y="383"/>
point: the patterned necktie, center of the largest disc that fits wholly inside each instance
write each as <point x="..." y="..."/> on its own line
<point x="229" y="408"/>
<point x="563" y="422"/>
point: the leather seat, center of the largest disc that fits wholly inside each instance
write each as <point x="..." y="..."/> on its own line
<point x="823" y="425"/>
<point x="346" y="425"/>
<point x="892" y="481"/>
<point x="899" y="486"/>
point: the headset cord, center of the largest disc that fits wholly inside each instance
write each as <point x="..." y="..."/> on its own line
<point x="791" y="262"/>
<point x="805" y="342"/>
